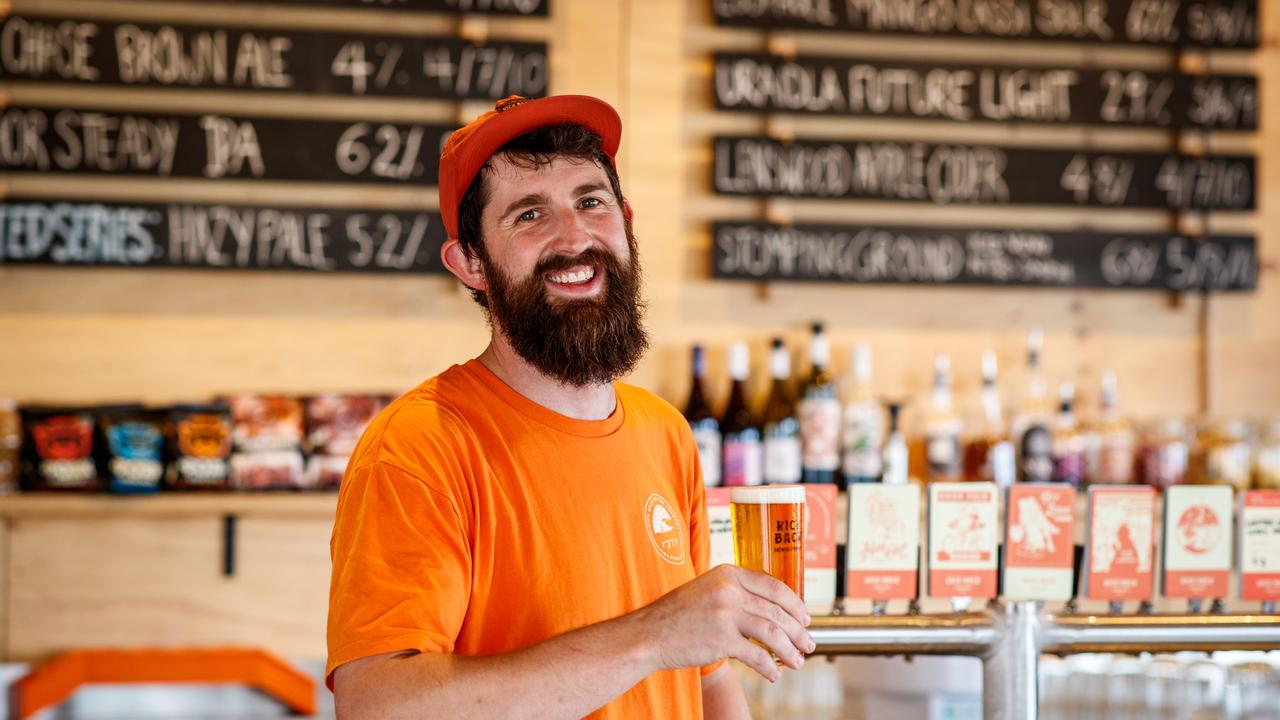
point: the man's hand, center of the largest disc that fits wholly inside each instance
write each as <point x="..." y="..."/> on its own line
<point x="710" y="618"/>
<point x="718" y="614"/>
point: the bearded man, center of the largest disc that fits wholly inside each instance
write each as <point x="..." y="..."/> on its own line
<point x="523" y="536"/>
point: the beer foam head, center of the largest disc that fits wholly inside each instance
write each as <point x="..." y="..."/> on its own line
<point x="767" y="495"/>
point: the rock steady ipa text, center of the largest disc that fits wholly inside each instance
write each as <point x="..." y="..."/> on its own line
<point x="768" y="532"/>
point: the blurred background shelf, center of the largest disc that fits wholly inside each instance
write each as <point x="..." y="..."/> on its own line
<point x="315" y="506"/>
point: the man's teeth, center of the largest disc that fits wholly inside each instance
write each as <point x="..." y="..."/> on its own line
<point x="573" y="277"/>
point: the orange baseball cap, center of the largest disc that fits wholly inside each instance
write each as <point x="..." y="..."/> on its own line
<point x="471" y="146"/>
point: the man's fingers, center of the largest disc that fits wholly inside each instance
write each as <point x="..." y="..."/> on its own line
<point x="771" y="589"/>
<point x="757" y="628"/>
<point x="799" y="637"/>
<point x="756" y="658"/>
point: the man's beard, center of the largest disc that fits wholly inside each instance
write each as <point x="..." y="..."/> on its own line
<point x="578" y="342"/>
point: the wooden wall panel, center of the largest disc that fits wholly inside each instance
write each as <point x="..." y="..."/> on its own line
<point x="1244" y="332"/>
<point x="79" y="335"/>
<point x="92" y="582"/>
<point x="1168" y="360"/>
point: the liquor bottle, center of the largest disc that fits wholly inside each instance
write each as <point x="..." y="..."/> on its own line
<point x="743" y="454"/>
<point x="10" y="445"/>
<point x="1110" y="443"/>
<point x="1068" y="443"/>
<point x="780" y="425"/>
<point x="942" y="428"/>
<point x="706" y="429"/>
<point x="896" y="454"/>
<point x="989" y="456"/>
<point x="819" y="413"/>
<point x="1031" y="431"/>
<point x="863" y="424"/>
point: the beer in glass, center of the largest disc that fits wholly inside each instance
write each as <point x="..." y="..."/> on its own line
<point x="768" y="532"/>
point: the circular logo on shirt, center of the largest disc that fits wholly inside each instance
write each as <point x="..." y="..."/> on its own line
<point x="665" y="531"/>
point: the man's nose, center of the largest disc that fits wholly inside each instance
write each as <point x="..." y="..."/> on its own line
<point x="571" y="234"/>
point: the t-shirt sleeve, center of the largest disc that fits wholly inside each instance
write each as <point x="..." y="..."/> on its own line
<point x="401" y="567"/>
<point x="699" y="529"/>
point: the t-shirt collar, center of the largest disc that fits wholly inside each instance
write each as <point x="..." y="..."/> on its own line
<point x="545" y="415"/>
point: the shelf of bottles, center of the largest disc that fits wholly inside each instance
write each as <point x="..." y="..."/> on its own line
<point x="806" y="433"/>
<point x="1036" y="534"/>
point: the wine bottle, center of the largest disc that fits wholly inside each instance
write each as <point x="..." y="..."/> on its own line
<point x="942" y="428"/>
<point x="1031" y="429"/>
<point x="779" y="423"/>
<point x="990" y="456"/>
<point x="896" y="454"/>
<point x="1110" y="442"/>
<point x="819" y="413"/>
<point x="743" y="453"/>
<point x="1068" y="443"/>
<point x="706" y="429"/>
<point x="863" y="424"/>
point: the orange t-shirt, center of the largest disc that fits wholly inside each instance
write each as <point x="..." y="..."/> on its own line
<point x="474" y="521"/>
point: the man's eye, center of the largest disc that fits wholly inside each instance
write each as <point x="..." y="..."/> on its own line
<point x="591" y="202"/>
<point x="528" y="215"/>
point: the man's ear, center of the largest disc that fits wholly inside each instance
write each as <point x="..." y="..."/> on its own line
<point x="467" y="268"/>
<point x="627" y="212"/>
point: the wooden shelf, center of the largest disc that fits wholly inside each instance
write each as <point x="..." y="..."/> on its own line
<point x="312" y="505"/>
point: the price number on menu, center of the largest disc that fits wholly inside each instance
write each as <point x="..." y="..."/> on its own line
<point x="1104" y="178"/>
<point x="1135" y="97"/>
<point x="1205" y="182"/>
<point x="365" y="66"/>
<point x="384" y="241"/>
<point x="1222" y="102"/>
<point x="487" y="71"/>
<point x="385" y="151"/>
<point x="1152" y="21"/>
<point x="466" y="71"/>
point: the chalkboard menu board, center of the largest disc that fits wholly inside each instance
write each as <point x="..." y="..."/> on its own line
<point x="931" y="256"/>
<point x="962" y="174"/>
<point x="211" y="139"/>
<point x="993" y="93"/>
<point x="1206" y="23"/>
<point x="257" y="59"/>
<point x="218" y="146"/>
<point x="222" y="237"/>
<point x="529" y="8"/>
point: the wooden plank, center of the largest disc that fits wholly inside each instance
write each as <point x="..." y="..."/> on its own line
<point x="363" y="19"/>
<point x="28" y="506"/>
<point x="119" y="582"/>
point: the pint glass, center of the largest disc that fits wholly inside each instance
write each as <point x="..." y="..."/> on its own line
<point x="768" y="532"/>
